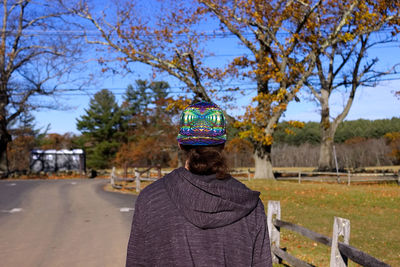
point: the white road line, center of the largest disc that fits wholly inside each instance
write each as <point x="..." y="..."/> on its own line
<point x="74" y="183"/>
<point x="13" y="184"/>
<point x="14" y="210"/>
<point x="126" y="209"/>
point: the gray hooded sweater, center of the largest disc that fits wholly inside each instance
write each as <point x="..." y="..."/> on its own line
<point x="185" y="219"/>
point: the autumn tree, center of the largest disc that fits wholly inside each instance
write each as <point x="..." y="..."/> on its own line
<point x="348" y="64"/>
<point x="57" y="141"/>
<point x="292" y="39"/>
<point x="33" y="59"/>
<point x="25" y="137"/>
<point x="281" y="40"/>
<point x="393" y="139"/>
<point x="101" y="129"/>
<point x="285" y="40"/>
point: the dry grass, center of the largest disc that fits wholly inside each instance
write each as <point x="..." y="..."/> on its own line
<point x="373" y="211"/>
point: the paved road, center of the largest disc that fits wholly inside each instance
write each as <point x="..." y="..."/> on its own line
<point x="63" y="223"/>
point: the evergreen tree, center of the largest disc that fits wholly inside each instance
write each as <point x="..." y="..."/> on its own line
<point x="148" y="125"/>
<point x="101" y="129"/>
<point x="143" y="103"/>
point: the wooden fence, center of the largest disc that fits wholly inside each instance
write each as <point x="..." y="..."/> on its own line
<point x="340" y="251"/>
<point x="335" y="177"/>
<point x="339" y="177"/>
<point x="138" y="178"/>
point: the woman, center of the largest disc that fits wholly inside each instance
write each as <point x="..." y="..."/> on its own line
<point x="199" y="215"/>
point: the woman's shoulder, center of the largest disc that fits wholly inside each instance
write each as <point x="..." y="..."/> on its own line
<point x="152" y="189"/>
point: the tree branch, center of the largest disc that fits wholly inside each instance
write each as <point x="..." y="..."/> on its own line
<point x="230" y="26"/>
<point x="314" y="91"/>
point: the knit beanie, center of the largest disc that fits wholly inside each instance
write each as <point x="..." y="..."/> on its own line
<point x="202" y="124"/>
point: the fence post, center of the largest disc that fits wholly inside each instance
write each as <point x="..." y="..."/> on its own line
<point x="341" y="227"/>
<point x="336" y="165"/>
<point x="348" y="177"/>
<point x="248" y="174"/>
<point x="137" y="180"/>
<point x="112" y="175"/>
<point x="398" y="177"/>
<point x="159" y="171"/>
<point x="274" y="212"/>
<point x="299" y="177"/>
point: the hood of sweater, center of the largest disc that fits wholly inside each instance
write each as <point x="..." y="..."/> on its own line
<point x="208" y="202"/>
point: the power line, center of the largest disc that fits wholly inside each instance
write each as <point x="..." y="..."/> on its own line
<point x="81" y="33"/>
<point x="179" y="92"/>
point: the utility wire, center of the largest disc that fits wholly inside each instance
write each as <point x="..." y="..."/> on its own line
<point x="82" y="33"/>
<point x="169" y="92"/>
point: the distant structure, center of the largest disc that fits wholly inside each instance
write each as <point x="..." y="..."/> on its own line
<point x="57" y="160"/>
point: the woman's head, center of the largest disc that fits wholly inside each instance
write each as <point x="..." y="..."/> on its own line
<point x="206" y="160"/>
<point x="202" y="137"/>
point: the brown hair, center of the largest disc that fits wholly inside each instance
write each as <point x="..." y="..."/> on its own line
<point x="206" y="160"/>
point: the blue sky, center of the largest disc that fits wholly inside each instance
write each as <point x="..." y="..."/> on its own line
<point x="370" y="103"/>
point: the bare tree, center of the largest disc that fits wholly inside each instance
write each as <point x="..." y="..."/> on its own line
<point x="346" y="67"/>
<point x="352" y="154"/>
<point x="36" y="57"/>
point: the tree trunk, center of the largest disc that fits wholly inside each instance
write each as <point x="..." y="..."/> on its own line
<point x="5" y="138"/>
<point x="328" y="129"/>
<point x="263" y="163"/>
<point x="325" y="162"/>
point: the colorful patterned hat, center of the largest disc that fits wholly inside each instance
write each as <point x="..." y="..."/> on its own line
<point x="202" y="124"/>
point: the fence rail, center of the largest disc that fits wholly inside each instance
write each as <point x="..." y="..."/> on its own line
<point x="340" y="251"/>
<point x="138" y="178"/>
<point x="339" y="177"/>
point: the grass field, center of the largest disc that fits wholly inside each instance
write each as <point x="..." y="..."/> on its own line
<point x="373" y="211"/>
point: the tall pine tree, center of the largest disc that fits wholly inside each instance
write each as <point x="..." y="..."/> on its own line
<point x="150" y="131"/>
<point x="143" y="104"/>
<point x="101" y="129"/>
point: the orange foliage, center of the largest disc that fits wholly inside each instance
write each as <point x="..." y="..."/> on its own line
<point x="177" y="105"/>
<point x="393" y="139"/>
<point x="154" y="137"/>
<point x="57" y="141"/>
<point x="237" y="145"/>
<point x="146" y="152"/>
<point x="355" y="140"/>
<point x="18" y="152"/>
